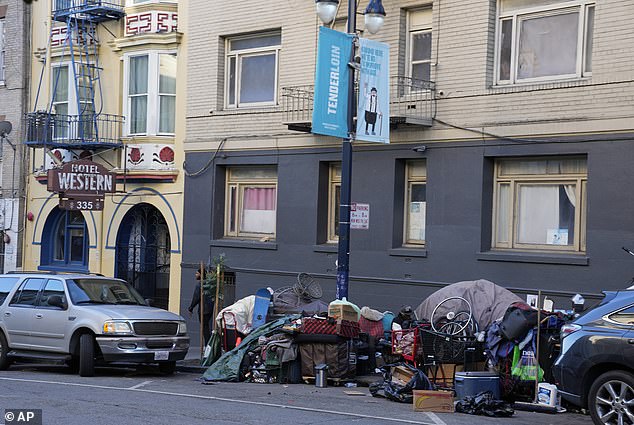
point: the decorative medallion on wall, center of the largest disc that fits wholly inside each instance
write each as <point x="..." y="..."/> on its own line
<point x="151" y="22"/>
<point x="66" y="155"/>
<point x="149" y="157"/>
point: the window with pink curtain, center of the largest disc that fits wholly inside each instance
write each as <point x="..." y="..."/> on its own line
<point x="258" y="210"/>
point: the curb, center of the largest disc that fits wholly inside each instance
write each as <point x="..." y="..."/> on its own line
<point x="189" y="368"/>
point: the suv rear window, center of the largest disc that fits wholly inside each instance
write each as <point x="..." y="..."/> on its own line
<point x="6" y="285"/>
<point x="625" y="316"/>
<point x="27" y="294"/>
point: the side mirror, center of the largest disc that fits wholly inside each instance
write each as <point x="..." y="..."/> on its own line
<point x="149" y="302"/>
<point x="56" y="301"/>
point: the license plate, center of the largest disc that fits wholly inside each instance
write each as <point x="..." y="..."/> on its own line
<point x="162" y="355"/>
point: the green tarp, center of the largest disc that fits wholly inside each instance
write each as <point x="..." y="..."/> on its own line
<point x="227" y="367"/>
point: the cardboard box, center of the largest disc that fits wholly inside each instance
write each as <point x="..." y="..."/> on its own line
<point x="401" y="375"/>
<point x="443" y="374"/>
<point x="343" y="311"/>
<point x="433" y="401"/>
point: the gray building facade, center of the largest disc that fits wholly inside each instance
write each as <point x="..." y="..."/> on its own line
<point x="520" y="177"/>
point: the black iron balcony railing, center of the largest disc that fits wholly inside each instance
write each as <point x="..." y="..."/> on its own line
<point x="297" y="104"/>
<point x="94" y="10"/>
<point x="412" y="102"/>
<point x="87" y="130"/>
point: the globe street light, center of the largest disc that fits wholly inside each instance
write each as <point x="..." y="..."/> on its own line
<point x="374" y="18"/>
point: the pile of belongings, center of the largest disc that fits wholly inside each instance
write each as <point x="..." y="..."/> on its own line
<point x="484" y="404"/>
<point x="394" y="388"/>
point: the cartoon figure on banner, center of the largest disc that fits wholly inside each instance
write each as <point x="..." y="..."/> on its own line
<point x="372" y="109"/>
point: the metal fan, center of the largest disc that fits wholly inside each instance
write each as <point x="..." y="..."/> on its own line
<point x="307" y="288"/>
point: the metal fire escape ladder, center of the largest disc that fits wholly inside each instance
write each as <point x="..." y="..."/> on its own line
<point x="81" y="124"/>
<point x="86" y="71"/>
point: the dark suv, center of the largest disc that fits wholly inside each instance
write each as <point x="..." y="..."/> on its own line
<point x="596" y="366"/>
<point x="82" y="319"/>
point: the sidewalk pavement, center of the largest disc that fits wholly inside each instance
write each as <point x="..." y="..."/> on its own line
<point x="191" y="363"/>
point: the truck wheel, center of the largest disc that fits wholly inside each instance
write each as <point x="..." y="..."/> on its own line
<point x="167" y="368"/>
<point x="86" y="355"/>
<point x="5" y="361"/>
<point x="610" y="396"/>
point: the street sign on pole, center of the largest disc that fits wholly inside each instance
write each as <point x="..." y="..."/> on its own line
<point x="373" y="109"/>
<point x="332" y="78"/>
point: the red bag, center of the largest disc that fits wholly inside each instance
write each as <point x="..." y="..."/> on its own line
<point x="371" y="327"/>
<point x="345" y="328"/>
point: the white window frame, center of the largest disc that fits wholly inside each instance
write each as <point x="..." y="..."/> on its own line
<point x="411" y="180"/>
<point x="71" y="101"/>
<point x="412" y="30"/>
<point x="239" y="184"/>
<point x="153" y="94"/>
<point x="2" y="51"/>
<point x="237" y="54"/>
<point x="334" y="182"/>
<point x="518" y="15"/>
<point x="131" y="3"/>
<point x="514" y="182"/>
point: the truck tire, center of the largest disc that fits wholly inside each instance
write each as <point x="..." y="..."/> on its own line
<point x="86" y="355"/>
<point x="5" y="361"/>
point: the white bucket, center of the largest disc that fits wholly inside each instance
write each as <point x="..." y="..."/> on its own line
<point x="548" y="394"/>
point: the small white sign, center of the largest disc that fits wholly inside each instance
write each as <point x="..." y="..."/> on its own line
<point x="161" y="355"/>
<point x="359" y="216"/>
<point x="557" y="236"/>
<point x="532" y="300"/>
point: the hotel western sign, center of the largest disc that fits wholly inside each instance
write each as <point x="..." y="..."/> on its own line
<point x="81" y="185"/>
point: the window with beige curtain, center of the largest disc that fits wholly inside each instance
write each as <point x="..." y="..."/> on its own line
<point x="540" y="204"/>
<point x="251" y="202"/>
<point x="415" y="202"/>
<point x="334" y="199"/>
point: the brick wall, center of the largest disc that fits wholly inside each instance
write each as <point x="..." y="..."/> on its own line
<point x="462" y="48"/>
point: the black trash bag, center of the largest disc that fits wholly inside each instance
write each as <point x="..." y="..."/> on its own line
<point x="518" y="320"/>
<point x="400" y="393"/>
<point x="485" y="405"/>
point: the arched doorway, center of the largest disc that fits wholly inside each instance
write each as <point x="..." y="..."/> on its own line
<point x="64" y="241"/>
<point x="143" y="253"/>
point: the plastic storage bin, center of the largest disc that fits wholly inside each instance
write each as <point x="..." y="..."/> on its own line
<point x="469" y="384"/>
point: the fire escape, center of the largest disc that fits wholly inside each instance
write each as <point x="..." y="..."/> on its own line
<point x="78" y="120"/>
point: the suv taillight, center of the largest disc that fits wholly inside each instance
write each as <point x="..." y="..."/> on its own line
<point x="568" y="329"/>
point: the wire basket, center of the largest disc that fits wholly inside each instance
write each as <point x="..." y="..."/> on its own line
<point x="444" y="348"/>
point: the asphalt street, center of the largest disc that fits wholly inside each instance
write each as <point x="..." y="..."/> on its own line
<point x="144" y="396"/>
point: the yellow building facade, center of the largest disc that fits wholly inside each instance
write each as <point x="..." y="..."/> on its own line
<point x="108" y="82"/>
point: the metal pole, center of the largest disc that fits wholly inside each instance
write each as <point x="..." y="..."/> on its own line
<point x="201" y="311"/>
<point x="343" y="257"/>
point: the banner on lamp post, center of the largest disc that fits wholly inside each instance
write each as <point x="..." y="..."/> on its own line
<point x="373" y="109"/>
<point x="330" y="104"/>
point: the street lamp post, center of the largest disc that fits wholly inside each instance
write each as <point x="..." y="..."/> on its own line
<point x="374" y="17"/>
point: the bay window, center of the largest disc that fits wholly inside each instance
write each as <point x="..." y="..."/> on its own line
<point x="151" y="93"/>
